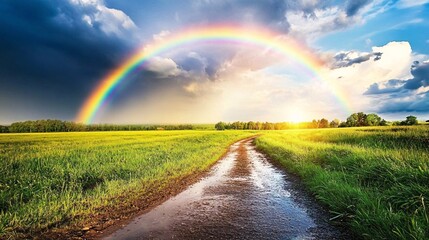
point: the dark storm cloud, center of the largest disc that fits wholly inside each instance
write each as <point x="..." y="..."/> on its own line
<point x="400" y="95"/>
<point x="46" y="38"/>
<point x="420" y="72"/>
<point x="419" y="104"/>
<point x="49" y="51"/>
<point x="346" y="59"/>
<point x="391" y="86"/>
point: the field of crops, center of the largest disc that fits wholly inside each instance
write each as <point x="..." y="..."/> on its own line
<point x="377" y="179"/>
<point x="57" y="179"/>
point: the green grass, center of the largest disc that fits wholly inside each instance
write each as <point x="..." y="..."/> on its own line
<point x="375" y="179"/>
<point x="60" y="179"/>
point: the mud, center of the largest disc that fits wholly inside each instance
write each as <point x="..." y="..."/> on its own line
<point x="243" y="197"/>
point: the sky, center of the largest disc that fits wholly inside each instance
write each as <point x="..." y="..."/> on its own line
<point x="54" y="53"/>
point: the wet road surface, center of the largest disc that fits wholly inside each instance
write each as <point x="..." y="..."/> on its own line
<point x="243" y="197"/>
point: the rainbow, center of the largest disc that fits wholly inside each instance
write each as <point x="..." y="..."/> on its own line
<point x="288" y="47"/>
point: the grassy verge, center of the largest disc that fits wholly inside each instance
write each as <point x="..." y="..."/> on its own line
<point x="61" y="179"/>
<point x="376" y="179"/>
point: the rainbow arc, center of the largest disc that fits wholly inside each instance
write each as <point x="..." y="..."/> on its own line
<point x="287" y="47"/>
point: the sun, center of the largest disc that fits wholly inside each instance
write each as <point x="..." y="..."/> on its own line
<point x="296" y="115"/>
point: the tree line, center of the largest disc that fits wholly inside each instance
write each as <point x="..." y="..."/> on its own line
<point x="322" y="123"/>
<point x="359" y="119"/>
<point x="51" y="125"/>
<point x="354" y="120"/>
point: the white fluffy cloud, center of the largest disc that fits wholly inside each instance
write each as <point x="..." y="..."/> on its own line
<point x="110" y="20"/>
<point x="355" y="79"/>
<point x="319" y="22"/>
<point x="164" y="67"/>
<point x="312" y="19"/>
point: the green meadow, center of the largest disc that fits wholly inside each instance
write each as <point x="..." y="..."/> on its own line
<point x="61" y="179"/>
<point x="374" y="179"/>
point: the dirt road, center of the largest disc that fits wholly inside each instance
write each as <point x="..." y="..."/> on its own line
<point x="243" y="197"/>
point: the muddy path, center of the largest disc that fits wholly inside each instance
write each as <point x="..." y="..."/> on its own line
<point x="243" y="197"/>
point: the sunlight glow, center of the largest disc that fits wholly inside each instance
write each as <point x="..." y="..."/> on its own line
<point x="296" y="115"/>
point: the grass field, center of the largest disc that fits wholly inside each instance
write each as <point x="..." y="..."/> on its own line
<point x="61" y="179"/>
<point x="376" y="179"/>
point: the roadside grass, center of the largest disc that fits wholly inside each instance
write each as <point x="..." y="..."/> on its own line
<point x="53" y="180"/>
<point x="376" y="179"/>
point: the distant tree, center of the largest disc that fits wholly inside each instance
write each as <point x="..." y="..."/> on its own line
<point x="50" y="125"/>
<point x="237" y="125"/>
<point x="220" y="126"/>
<point x="343" y="124"/>
<point x="323" y="123"/>
<point x="396" y="123"/>
<point x="361" y="119"/>
<point x="334" y="123"/>
<point x="427" y="121"/>
<point x="410" y="120"/>
<point x="268" y="126"/>
<point x="4" y="129"/>
<point x="383" y="122"/>
<point x="352" y="120"/>
<point x="372" y="119"/>
<point x="314" y="124"/>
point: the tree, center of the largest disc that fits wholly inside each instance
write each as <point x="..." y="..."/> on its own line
<point x="372" y="119"/>
<point x="343" y="124"/>
<point x="361" y="119"/>
<point x="323" y="123"/>
<point x="252" y="125"/>
<point x="352" y="120"/>
<point x="383" y="122"/>
<point x="410" y="120"/>
<point x="237" y="125"/>
<point x="314" y="124"/>
<point x="267" y="126"/>
<point x="334" y="123"/>
<point x="4" y="129"/>
<point x="220" y="126"/>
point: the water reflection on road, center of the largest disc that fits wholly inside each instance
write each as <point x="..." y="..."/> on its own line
<point x="243" y="197"/>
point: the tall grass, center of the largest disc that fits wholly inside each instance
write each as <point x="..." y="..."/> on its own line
<point x="58" y="179"/>
<point x="375" y="179"/>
